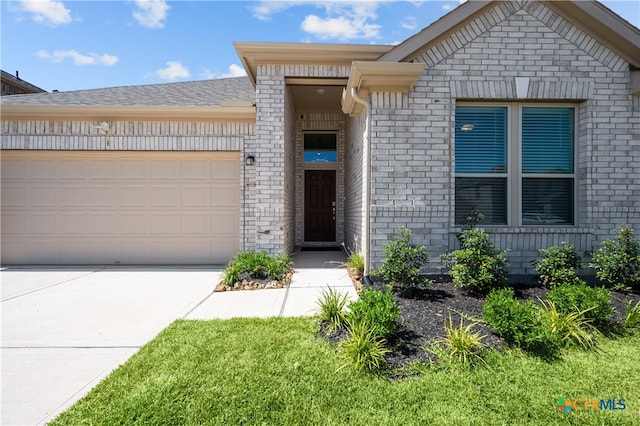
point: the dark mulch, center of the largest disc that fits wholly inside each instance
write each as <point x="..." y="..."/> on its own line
<point x="423" y="314"/>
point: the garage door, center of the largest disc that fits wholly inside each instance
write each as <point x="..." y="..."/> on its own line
<point x="119" y="207"/>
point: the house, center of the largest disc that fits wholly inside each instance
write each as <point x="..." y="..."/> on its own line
<point x="14" y="85"/>
<point x="526" y="111"/>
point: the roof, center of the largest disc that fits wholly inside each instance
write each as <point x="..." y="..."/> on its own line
<point x="15" y="81"/>
<point x="192" y="93"/>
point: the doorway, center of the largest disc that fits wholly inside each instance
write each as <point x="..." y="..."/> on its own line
<point x="320" y="205"/>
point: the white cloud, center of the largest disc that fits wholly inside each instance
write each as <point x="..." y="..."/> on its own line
<point x="342" y="20"/>
<point x="339" y="28"/>
<point x="264" y="9"/>
<point x="234" y="70"/>
<point x="173" y="71"/>
<point x="151" y="13"/>
<point x="48" y="12"/>
<point x="410" y="23"/>
<point x="78" y="58"/>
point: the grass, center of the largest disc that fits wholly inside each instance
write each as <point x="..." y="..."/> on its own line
<point x="278" y="371"/>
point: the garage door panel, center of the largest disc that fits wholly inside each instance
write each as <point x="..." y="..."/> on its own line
<point x="164" y="170"/>
<point x="164" y="196"/>
<point x="103" y="170"/>
<point x="225" y="196"/>
<point x="13" y="195"/>
<point x="42" y="196"/>
<point x="119" y="207"/>
<point x="41" y="224"/>
<point x="195" y="169"/>
<point x="103" y="224"/>
<point x="14" y="170"/>
<point x="133" y="224"/>
<point x="102" y="196"/>
<point x="225" y="172"/>
<point x="197" y="224"/>
<point x="134" y="196"/>
<point x="72" y="223"/>
<point x="164" y="224"/>
<point x="225" y="222"/>
<point x="41" y="169"/>
<point x="72" y="196"/>
<point x="133" y="169"/>
<point x="72" y="170"/>
<point x="14" y="224"/>
<point x="195" y="196"/>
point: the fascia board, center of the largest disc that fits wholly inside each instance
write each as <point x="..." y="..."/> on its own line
<point x="128" y="113"/>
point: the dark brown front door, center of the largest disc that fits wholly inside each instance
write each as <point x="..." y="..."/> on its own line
<point x="320" y="205"/>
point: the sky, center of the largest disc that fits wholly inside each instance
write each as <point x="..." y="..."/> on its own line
<point x="73" y="45"/>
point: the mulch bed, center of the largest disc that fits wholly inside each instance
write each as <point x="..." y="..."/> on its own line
<point x="423" y="314"/>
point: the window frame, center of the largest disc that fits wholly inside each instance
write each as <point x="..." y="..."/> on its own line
<point x="514" y="174"/>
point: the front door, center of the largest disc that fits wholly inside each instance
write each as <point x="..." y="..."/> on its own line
<point x="320" y="205"/>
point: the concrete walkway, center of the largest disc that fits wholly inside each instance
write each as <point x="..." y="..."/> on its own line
<point x="314" y="272"/>
<point x="65" y="329"/>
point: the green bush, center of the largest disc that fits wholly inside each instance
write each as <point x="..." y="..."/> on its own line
<point x="379" y="310"/>
<point x="256" y="265"/>
<point x="571" y="328"/>
<point x="515" y="322"/>
<point x="519" y="323"/>
<point x="403" y="261"/>
<point x="631" y="318"/>
<point x="331" y="307"/>
<point x="478" y="264"/>
<point x="617" y="261"/>
<point x="355" y="262"/>
<point x="595" y="302"/>
<point x="363" y="348"/>
<point x="558" y="265"/>
<point x="462" y="344"/>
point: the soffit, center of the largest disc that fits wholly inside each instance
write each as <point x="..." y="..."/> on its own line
<point x="253" y="54"/>
<point x="316" y="95"/>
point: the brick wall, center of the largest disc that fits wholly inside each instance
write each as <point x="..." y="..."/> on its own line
<point x="353" y="184"/>
<point x="413" y="134"/>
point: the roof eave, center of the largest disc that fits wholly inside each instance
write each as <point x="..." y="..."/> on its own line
<point x="379" y="77"/>
<point x="128" y="113"/>
<point x="253" y="54"/>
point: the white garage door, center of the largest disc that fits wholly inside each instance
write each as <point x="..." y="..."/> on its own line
<point x="119" y="207"/>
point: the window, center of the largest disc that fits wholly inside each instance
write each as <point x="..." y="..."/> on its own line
<point x="515" y="164"/>
<point x="320" y="148"/>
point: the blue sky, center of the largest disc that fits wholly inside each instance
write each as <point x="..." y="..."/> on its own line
<point x="71" y="45"/>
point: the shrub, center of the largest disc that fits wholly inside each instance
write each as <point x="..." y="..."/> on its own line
<point x="519" y="323"/>
<point x="462" y="344"/>
<point x="379" y="310"/>
<point x="331" y="307"/>
<point x="257" y="265"/>
<point x="595" y="302"/>
<point x="403" y="261"/>
<point x="570" y="328"/>
<point x="355" y="262"/>
<point x="631" y="318"/>
<point x="478" y="264"/>
<point x="617" y="261"/>
<point x="558" y="265"/>
<point x="363" y="349"/>
<point x="515" y="322"/>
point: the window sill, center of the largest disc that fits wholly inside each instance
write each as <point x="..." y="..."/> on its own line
<point x="530" y="229"/>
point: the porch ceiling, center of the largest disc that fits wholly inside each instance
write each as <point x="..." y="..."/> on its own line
<point x="317" y="98"/>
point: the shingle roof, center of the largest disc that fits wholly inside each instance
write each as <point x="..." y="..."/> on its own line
<point x="191" y="93"/>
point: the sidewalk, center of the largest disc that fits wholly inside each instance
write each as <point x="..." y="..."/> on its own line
<point x="314" y="271"/>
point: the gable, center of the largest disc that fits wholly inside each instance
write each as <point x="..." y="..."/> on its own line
<point x="587" y="24"/>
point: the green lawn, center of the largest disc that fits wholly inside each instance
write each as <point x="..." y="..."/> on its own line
<point x="278" y="372"/>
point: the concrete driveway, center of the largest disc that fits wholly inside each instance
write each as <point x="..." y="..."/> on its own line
<point x="64" y="329"/>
